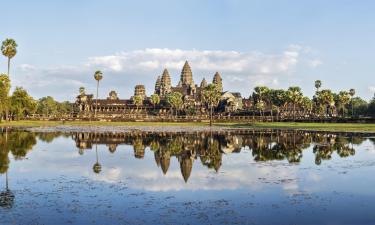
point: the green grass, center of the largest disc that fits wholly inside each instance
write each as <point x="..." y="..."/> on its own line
<point x="29" y="123"/>
<point x="339" y="127"/>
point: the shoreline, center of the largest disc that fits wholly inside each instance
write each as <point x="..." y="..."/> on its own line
<point x="115" y="127"/>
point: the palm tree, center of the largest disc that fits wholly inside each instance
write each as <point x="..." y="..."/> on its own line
<point x="325" y="98"/>
<point x="97" y="168"/>
<point x="261" y="95"/>
<point x="154" y="99"/>
<point x="175" y="100"/>
<point x="9" y="50"/>
<point x="295" y="97"/>
<point x="138" y="101"/>
<point x="352" y="93"/>
<point x="211" y="96"/>
<point x="318" y="84"/>
<point x="98" y="76"/>
<point x="343" y="98"/>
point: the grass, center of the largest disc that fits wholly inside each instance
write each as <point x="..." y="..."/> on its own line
<point x="338" y="127"/>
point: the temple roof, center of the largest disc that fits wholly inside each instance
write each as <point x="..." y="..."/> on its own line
<point x="203" y="83"/>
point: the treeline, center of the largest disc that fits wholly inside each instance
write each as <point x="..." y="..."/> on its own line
<point x="325" y="103"/>
<point x="20" y="104"/>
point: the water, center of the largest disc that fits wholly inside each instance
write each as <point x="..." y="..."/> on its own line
<point x="254" y="177"/>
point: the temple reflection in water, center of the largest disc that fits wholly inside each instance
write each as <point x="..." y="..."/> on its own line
<point x="187" y="148"/>
<point x="208" y="148"/>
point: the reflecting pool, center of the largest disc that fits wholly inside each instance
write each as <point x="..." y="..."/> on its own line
<point x="232" y="177"/>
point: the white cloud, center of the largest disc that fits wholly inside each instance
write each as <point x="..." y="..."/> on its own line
<point x="224" y="61"/>
<point x="241" y="71"/>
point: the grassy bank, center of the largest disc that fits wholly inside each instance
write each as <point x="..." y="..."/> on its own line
<point x="338" y="127"/>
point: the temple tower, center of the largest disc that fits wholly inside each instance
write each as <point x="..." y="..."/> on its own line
<point x="165" y="83"/>
<point x="218" y="81"/>
<point x="140" y="90"/>
<point x="203" y="84"/>
<point x="186" y="77"/>
<point x="157" y="85"/>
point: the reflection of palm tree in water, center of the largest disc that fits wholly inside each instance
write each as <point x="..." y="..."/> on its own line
<point x="97" y="168"/>
<point x="7" y="196"/>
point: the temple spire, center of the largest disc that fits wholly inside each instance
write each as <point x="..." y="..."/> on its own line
<point x="165" y="84"/>
<point x="218" y="81"/>
<point x="186" y="75"/>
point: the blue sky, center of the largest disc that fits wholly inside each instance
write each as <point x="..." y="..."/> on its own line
<point x="275" y="43"/>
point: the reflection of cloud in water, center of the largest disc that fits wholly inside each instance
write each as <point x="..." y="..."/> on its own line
<point x="231" y="178"/>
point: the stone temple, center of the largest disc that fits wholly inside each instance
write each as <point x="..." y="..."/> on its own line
<point x="113" y="106"/>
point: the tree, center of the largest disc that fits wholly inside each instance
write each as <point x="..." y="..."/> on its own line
<point x="47" y="106"/>
<point x="98" y="77"/>
<point x="318" y="84"/>
<point x="278" y="99"/>
<point x="325" y="100"/>
<point x="22" y="104"/>
<point x="9" y="50"/>
<point x="371" y="107"/>
<point x="342" y="99"/>
<point x="261" y="96"/>
<point x="211" y="96"/>
<point x="352" y="93"/>
<point x="97" y="168"/>
<point x="307" y="105"/>
<point x="154" y="99"/>
<point x="4" y="96"/>
<point x="138" y="101"/>
<point x="175" y="100"/>
<point x="294" y="96"/>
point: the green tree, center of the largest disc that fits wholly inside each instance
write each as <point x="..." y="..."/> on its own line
<point x="4" y="96"/>
<point x="294" y="96"/>
<point x="47" y="106"/>
<point x="318" y="84"/>
<point x="98" y="77"/>
<point x="371" y="107"/>
<point x="352" y="93"/>
<point x="307" y="105"/>
<point x="261" y="97"/>
<point x="175" y="100"/>
<point x="154" y="99"/>
<point x="22" y="104"/>
<point x="97" y="168"/>
<point x="278" y="99"/>
<point x="138" y="101"/>
<point x="342" y="99"/>
<point x="211" y="96"/>
<point x="9" y="50"/>
<point x="326" y="101"/>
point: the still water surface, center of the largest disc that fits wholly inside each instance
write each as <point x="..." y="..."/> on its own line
<point x="254" y="177"/>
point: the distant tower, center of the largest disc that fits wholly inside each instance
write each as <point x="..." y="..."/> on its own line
<point x="203" y="83"/>
<point x="186" y="76"/>
<point x="165" y="83"/>
<point x="112" y="96"/>
<point x="157" y="85"/>
<point x="140" y="90"/>
<point x="218" y="81"/>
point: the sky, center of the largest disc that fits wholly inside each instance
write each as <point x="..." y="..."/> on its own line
<point x="61" y="44"/>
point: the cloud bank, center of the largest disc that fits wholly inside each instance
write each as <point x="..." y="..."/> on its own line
<point x="122" y="71"/>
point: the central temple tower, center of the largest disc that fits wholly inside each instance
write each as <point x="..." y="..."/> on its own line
<point x="186" y="77"/>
